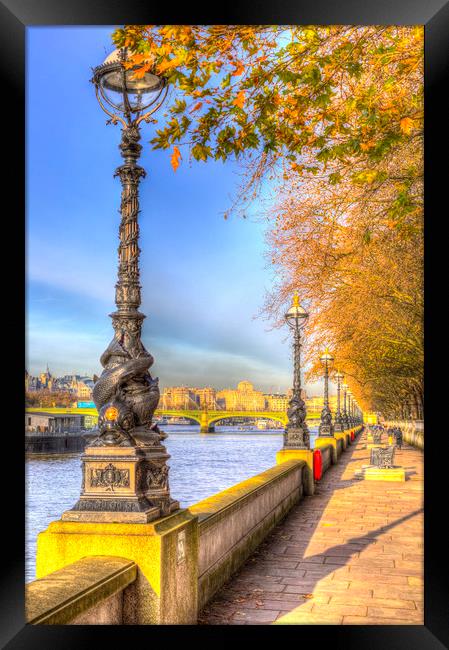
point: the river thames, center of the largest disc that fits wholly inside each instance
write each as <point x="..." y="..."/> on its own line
<point x="200" y="465"/>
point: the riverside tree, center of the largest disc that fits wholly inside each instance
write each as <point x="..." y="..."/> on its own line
<point x="331" y="117"/>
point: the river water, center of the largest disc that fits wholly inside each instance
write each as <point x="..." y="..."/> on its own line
<point x="200" y="465"/>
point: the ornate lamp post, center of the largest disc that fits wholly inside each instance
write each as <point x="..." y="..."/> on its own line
<point x="339" y="422"/>
<point x="326" y="428"/>
<point x="125" y="476"/>
<point x="296" y="433"/>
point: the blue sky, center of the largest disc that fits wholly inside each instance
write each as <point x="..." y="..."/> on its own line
<point x="203" y="278"/>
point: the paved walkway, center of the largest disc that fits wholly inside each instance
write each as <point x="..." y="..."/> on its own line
<point x="351" y="554"/>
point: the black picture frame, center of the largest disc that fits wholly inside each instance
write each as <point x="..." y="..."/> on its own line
<point x="15" y="17"/>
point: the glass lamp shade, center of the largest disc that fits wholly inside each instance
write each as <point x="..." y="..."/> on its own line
<point x="326" y="357"/>
<point x="339" y="376"/>
<point x="121" y="90"/>
<point x="296" y="315"/>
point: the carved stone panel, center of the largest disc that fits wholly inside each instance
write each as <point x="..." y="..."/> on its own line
<point x="110" y="477"/>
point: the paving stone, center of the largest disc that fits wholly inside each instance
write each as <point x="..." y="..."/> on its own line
<point x="405" y="592"/>
<point x="370" y="620"/>
<point x="303" y="588"/>
<point x="391" y="614"/>
<point x="308" y="618"/>
<point x="374" y="601"/>
<point x="340" y="609"/>
<point x="260" y="616"/>
<point x="286" y="573"/>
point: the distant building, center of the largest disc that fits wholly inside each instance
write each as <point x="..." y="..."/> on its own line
<point x="244" y="398"/>
<point x="84" y="390"/>
<point x="178" y="397"/>
<point x="207" y="397"/>
<point x="46" y="379"/>
<point x="77" y="385"/>
<point x="277" y="402"/>
<point x="41" y="422"/>
<point x="315" y="404"/>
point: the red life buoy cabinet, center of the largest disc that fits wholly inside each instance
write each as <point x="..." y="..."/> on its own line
<point x="317" y="465"/>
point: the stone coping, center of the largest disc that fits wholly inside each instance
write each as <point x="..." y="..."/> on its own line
<point x="227" y="499"/>
<point x="63" y="595"/>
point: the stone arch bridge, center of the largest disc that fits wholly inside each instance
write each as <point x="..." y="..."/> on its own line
<point x="206" y="419"/>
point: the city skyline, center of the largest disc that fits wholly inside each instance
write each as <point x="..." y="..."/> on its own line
<point x="273" y="390"/>
<point x="194" y="262"/>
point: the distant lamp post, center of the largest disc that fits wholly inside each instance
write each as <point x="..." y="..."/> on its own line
<point x="350" y="413"/>
<point x="125" y="476"/>
<point x="296" y="433"/>
<point x="345" y="416"/>
<point x="339" y="422"/>
<point x="326" y="428"/>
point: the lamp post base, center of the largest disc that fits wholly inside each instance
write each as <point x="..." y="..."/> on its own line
<point x="122" y="517"/>
<point x="326" y="431"/>
<point x="123" y="484"/>
<point x="297" y="438"/>
<point x="339" y="425"/>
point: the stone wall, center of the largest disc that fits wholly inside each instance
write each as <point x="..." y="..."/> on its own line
<point x="53" y="443"/>
<point x="90" y="591"/>
<point x="340" y="447"/>
<point x="326" y="454"/>
<point x="233" y="523"/>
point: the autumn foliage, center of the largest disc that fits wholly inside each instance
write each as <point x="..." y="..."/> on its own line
<point x="46" y="398"/>
<point x="331" y="119"/>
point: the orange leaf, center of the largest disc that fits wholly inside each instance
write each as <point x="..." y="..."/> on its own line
<point x="176" y="158"/>
<point x="166" y="65"/>
<point x="196" y="107"/>
<point x="240" y="99"/>
<point x="240" y="69"/>
<point x="406" y="125"/>
<point x="140" y="73"/>
<point x="139" y="58"/>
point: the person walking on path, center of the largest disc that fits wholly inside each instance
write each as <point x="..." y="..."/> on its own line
<point x="391" y="436"/>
